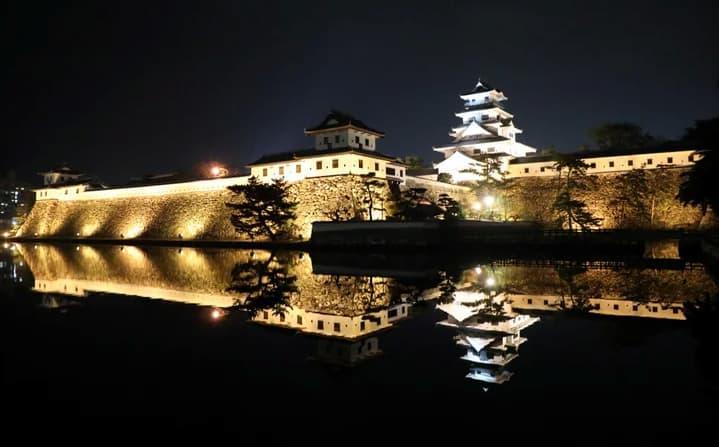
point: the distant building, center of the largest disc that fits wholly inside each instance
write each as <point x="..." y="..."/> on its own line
<point x="61" y="175"/>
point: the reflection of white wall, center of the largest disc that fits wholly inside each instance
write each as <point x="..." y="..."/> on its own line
<point x="607" y="306"/>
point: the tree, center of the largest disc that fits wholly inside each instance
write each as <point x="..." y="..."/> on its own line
<point x="620" y="136"/>
<point x="262" y="209"/>
<point x="490" y="182"/>
<point x="415" y="205"/>
<point x="452" y="209"/>
<point x="699" y="186"/>
<point x="372" y="188"/>
<point x="629" y="204"/>
<point x="263" y="284"/>
<point x="444" y="177"/>
<point x="571" y="210"/>
<point x="413" y="161"/>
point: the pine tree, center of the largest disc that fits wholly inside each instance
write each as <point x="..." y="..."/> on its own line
<point x="262" y="209"/>
<point x="572" y="174"/>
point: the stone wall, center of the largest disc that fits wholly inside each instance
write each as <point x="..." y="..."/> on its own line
<point x="532" y="199"/>
<point x="188" y="215"/>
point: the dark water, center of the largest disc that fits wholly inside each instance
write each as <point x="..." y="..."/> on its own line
<point x="335" y="348"/>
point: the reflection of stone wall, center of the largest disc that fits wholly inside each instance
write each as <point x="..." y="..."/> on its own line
<point x="191" y="215"/>
<point x="532" y="198"/>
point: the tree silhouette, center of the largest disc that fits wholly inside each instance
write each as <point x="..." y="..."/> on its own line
<point x="620" y="136"/>
<point x="263" y="285"/>
<point x="699" y="184"/>
<point x="572" y="175"/>
<point x="262" y="209"/>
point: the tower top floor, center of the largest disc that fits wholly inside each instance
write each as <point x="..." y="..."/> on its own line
<point x="340" y="129"/>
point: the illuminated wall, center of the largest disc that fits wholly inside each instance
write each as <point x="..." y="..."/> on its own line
<point x="191" y="210"/>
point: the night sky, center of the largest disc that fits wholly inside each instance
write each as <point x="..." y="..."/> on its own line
<point x="121" y="89"/>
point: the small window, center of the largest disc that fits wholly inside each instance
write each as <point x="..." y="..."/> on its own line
<point x="675" y="310"/>
<point x="616" y="307"/>
<point x="670" y="159"/>
<point x="390" y="171"/>
<point x="298" y="168"/>
<point x="593" y="165"/>
<point x="318" y="165"/>
<point x="526" y="170"/>
<point x="77" y="191"/>
<point x="356" y="139"/>
<point x="361" y="163"/>
<point x="630" y="163"/>
<point x="691" y="157"/>
<point x="546" y="302"/>
<point x="335" y="163"/>
<point x="366" y="141"/>
<point x="361" y="325"/>
<point x="282" y="317"/>
<point x="401" y="172"/>
<point x="320" y="324"/>
<point x="392" y="313"/>
<point x="649" y="161"/>
<point x="66" y="191"/>
<point x="265" y="315"/>
<point x="541" y="169"/>
<point x="299" y="319"/>
<point x="326" y="140"/>
<point x="376" y="166"/>
<point x="337" y="138"/>
<point x="485" y="117"/>
<point x="529" y="301"/>
<point x="282" y="170"/>
<point x="264" y="172"/>
<point x="635" y="308"/>
<point x="336" y="327"/>
<point x="655" y="309"/>
<point x="611" y="164"/>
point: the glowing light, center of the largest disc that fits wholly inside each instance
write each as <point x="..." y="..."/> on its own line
<point x="6" y="234"/>
<point x="77" y="248"/>
<point x="218" y="171"/>
<point x="217" y="314"/>
<point x="477" y="206"/>
<point x="478" y="270"/>
<point x="77" y="234"/>
<point x="488" y="200"/>
<point x="490" y="282"/>
<point x="5" y="245"/>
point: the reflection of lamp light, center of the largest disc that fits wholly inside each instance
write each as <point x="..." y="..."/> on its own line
<point x="478" y="270"/>
<point x="217" y="314"/>
<point x="6" y="234"/>
<point x="477" y="206"/>
<point x="490" y="282"/>
<point x="488" y="200"/>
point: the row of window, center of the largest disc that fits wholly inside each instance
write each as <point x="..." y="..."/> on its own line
<point x="649" y="162"/>
<point x="336" y="327"/>
<point x="335" y="164"/>
<point x="67" y="191"/>
<point x="326" y="140"/>
<point x="635" y="307"/>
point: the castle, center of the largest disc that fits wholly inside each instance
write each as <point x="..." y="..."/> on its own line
<point x="323" y="178"/>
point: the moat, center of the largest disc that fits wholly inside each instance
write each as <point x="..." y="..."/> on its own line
<point x="285" y="346"/>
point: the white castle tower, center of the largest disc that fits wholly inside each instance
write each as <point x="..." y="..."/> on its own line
<point x="486" y="129"/>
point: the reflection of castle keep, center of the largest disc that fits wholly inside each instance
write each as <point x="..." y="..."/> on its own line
<point x="489" y="329"/>
<point x="322" y="178"/>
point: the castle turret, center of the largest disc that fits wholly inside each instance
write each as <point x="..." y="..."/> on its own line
<point x="340" y="129"/>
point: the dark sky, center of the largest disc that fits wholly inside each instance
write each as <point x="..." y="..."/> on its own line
<point x="120" y="89"/>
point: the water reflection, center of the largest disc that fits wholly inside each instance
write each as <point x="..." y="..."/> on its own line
<point x="346" y="302"/>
